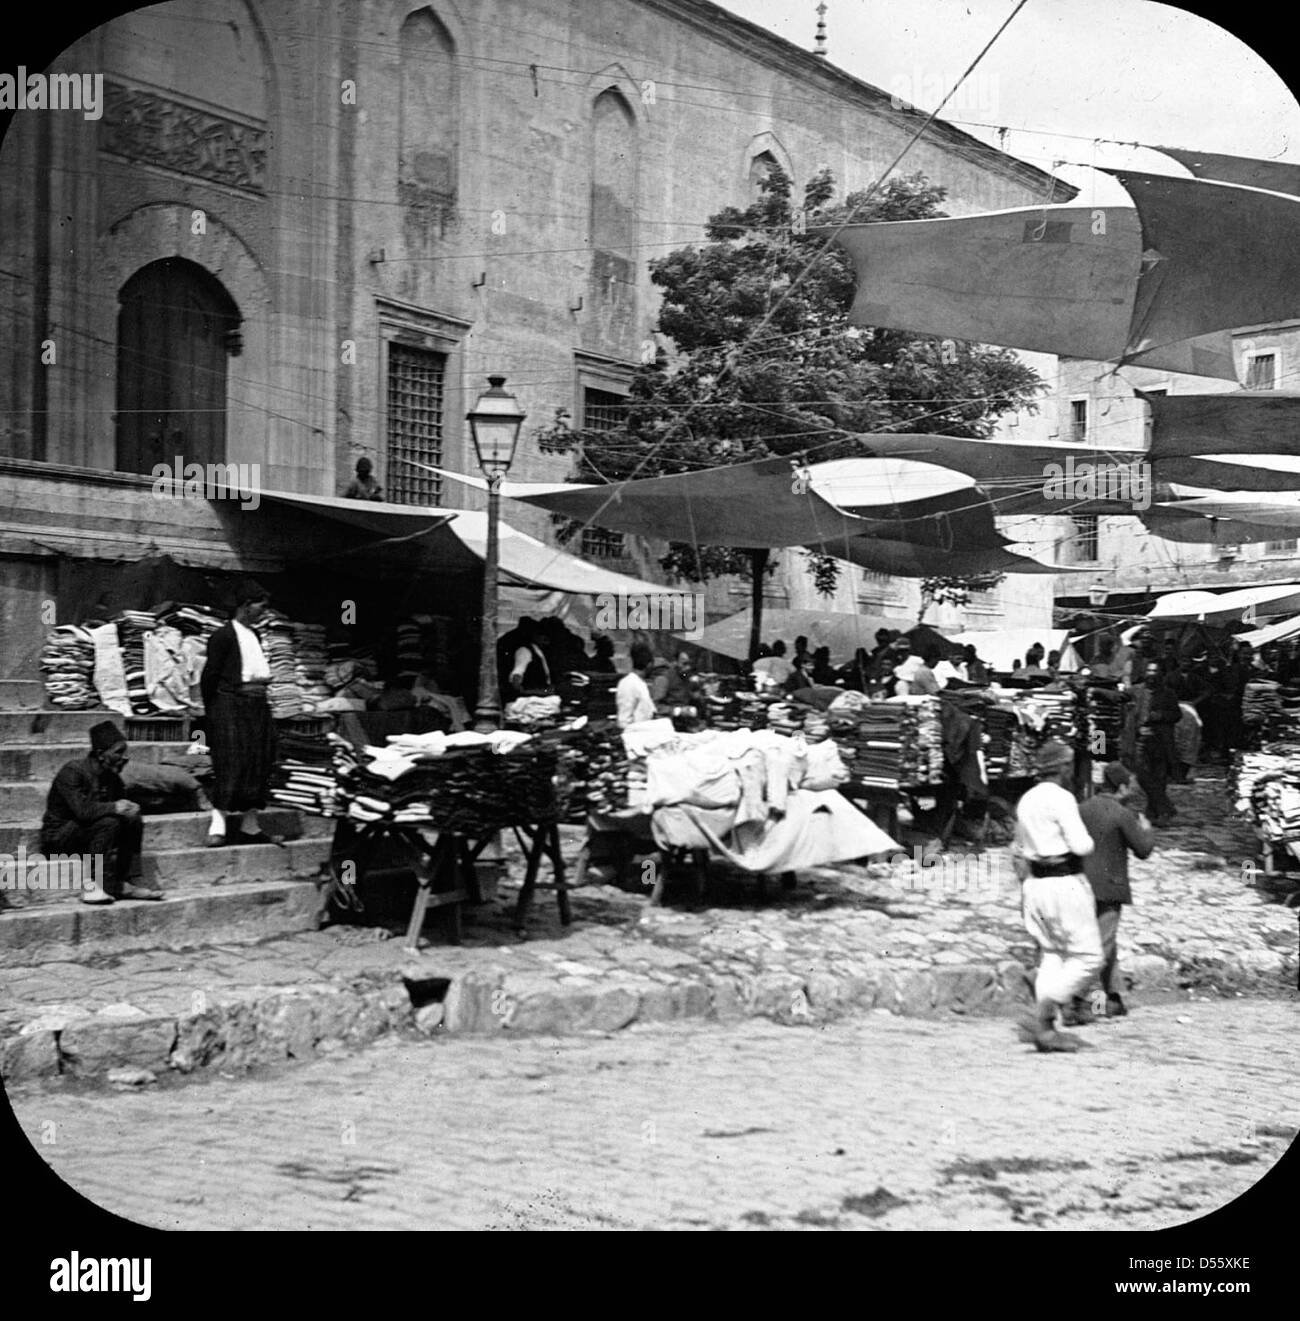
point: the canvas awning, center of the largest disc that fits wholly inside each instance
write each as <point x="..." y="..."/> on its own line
<point x="843" y="633"/>
<point x="1270" y="633"/>
<point x="1226" y="607"/>
<point x="1275" y="176"/>
<point x="1238" y="423"/>
<point x="1156" y="286"/>
<point x="459" y="538"/>
<point x="1000" y="647"/>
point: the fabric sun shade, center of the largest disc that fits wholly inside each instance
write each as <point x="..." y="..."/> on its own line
<point x="1282" y="510"/>
<point x="1226" y="607"/>
<point x="999" y="648"/>
<point x="1053" y="279"/>
<point x="1279" y="632"/>
<point x="460" y="537"/>
<point x="1274" y="176"/>
<point x="842" y="633"/>
<point x="1241" y="422"/>
<point x="1155" y="286"/>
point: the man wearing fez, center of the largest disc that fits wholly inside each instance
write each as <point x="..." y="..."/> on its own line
<point x="1059" y="909"/>
<point x="237" y="720"/>
<point x="88" y="812"/>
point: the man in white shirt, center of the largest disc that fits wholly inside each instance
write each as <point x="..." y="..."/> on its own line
<point x="632" y="696"/>
<point x="775" y="667"/>
<point x="1059" y="910"/>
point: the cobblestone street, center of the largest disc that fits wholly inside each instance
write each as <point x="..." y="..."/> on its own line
<point x="875" y="1122"/>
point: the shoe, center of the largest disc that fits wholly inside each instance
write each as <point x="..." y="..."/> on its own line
<point x="96" y="896"/>
<point x="139" y="892"/>
<point x="1115" y="1007"/>
<point x="1078" y="1014"/>
<point x="1054" y="1041"/>
<point x="216" y="841"/>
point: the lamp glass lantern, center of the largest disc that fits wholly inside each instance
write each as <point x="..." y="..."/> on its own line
<point x="494" y="424"/>
<point x="1097" y="594"/>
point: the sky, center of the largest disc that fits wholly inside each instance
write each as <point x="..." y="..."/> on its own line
<point x="1064" y="74"/>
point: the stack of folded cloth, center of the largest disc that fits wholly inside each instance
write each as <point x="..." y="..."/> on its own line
<point x="1261" y="708"/>
<point x="409" y="647"/>
<point x="816" y="727"/>
<point x="1275" y="806"/>
<point x="870" y="741"/>
<point x="311" y="660"/>
<point x="752" y="710"/>
<point x="1000" y="729"/>
<point x="532" y="713"/>
<point x="921" y="759"/>
<point x="1104" y="714"/>
<point x="303" y="776"/>
<point x="68" y="664"/>
<point x="785" y="718"/>
<point x="132" y="625"/>
<point x="601" y="769"/>
<point x="1251" y="768"/>
<point x="275" y="632"/>
<point x="191" y="620"/>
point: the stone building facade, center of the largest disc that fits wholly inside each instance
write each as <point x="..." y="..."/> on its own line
<point x="301" y="233"/>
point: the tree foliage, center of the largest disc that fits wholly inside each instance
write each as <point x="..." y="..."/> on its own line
<point x="767" y="364"/>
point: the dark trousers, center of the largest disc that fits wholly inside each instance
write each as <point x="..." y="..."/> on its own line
<point x="116" y="838"/>
<point x="1156" y="761"/>
<point x="1108" y="924"/>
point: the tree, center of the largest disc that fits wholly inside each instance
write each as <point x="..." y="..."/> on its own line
<point x="954" y="590"/>
<point x="767" y="363"/>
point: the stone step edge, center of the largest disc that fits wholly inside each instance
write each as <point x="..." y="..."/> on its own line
<point x="253" y="1026"/>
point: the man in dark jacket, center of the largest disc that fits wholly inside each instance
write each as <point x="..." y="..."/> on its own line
<point x="1157" y="712"/>
<point x="88" y="812"/>
<point x="1117" y="830"/>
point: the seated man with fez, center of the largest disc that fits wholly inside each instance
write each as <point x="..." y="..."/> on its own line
<point x="88" y="812"/>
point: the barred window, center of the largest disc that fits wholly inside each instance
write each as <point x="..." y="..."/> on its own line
<point x="415" y="422"/>
<point x="603" y="410"/>
<point x="1083" y="547"/>
<point x="1261" y="371"/>
<point x="1079" y="421"/>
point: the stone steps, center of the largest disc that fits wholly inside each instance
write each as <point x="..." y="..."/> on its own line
<point x="173" y="830"/>
<point x="239" y="913"/>
<point x="199" y="870"/>
<point x="41" y="761"/>
<point x="50" y="725"/>
<point x="21" y="694"/>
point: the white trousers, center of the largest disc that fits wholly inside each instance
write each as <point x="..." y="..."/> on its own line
<point x="1061" y="915"/>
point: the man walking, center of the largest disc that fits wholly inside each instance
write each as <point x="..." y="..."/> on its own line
<point x="88" y="812"/>
<point x="1157" y="712"/>
<point x="1116" y="830"/>
<point x="1058" y="903"/>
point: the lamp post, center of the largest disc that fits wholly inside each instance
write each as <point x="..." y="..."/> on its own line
<point x="1097" y="594"/>
<point x="494" y="424"/>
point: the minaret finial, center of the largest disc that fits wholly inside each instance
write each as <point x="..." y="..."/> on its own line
<point x="820" y="48"/>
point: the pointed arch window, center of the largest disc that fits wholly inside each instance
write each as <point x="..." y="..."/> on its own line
<point x="613" y="196"/>
<point x="428" y="99"/>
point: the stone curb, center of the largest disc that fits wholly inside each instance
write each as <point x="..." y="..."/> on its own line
<point x="262" y="1025"/>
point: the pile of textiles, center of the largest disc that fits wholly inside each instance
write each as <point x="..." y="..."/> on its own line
<point x="601" y="769"/>
<point x="409" y="646"/>
<point x="891" y="743"/>
<point x="532" y="713"/>
<point x="1262" y="711"/>
<point x="132" y="625"/>
<point x="276" y="633"/>
<point x="1252" y="768"/>
<point x="752" y="710"/>
<point x="468" y="783"/>
<point x="304" y="775"/>
<point x="785" y="718"/>
<point x="1275" y="807"/>
<point x="311" y="662"/>
<point x="68" y="666"/>
<point x="191" y="620"/>
<point x="1104" y="720"/>
<point x="1000" y="727"/>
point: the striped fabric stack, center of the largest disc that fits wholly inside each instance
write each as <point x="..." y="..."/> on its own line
<point x="132" y="625"/>
<point x="304" y="777"/>
<point x="68" y="666"/>
<point x="275" y="632"/>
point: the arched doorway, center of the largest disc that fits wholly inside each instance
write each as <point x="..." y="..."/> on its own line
<point x="176" y="324"/>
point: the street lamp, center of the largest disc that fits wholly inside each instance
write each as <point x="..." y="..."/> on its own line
<point x="1097" y="594"/>
<point x="494" y="424"/>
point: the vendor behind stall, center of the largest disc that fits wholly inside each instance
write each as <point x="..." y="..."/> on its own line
<point x="632" y="696"/>
<point x="240" y="735"/>
<point x="676" y="689"/>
